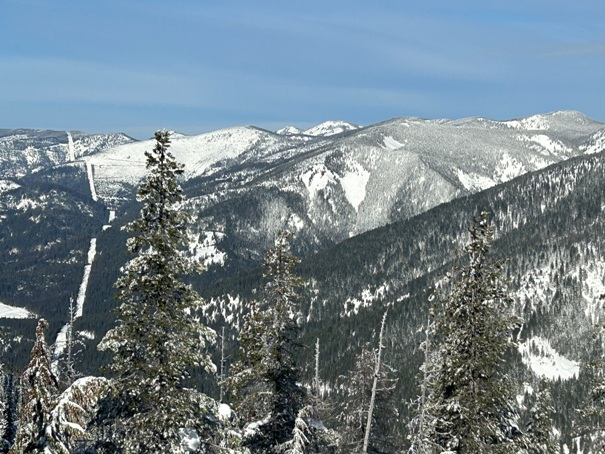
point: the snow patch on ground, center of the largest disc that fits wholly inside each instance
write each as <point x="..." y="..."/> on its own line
<point x="554" y="146"/>
<point x="592" y="287"/>
<point x="354" y="184"/>
<point x="7" y="311"/>
<point x="391" y="144"/>
<point x="295" y="222"/>
<point x="28" y="204"/>
<point x="91" y="181"/>
<point x="71" y="153"/>
<point x="289" y="130"/>
<point x="508" y="168"/>
<point x="534" y="123"/>
<point x="92" y="252"/>
<point x="127" y="162"/>
<point x="190" y="439"/>
<point x="367" y="297"/>
<point x="87" y="335"/>
<point x="224" y="412"/>
<point x="61" y="341"/>
<point x="330" y="128"/>
<point x="8" y="185"/>
<point x="596" y="144"/>
<point x="474" y="182"/>
<point x="545" y="361"/>
<point x="317" y="179"/>
<point x="536" y="289"/>
<point x="205" y="250"/>
<point x="112" y="216"/>
<point x="549" y="146"/>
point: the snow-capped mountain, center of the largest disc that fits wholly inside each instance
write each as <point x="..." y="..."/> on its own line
<point x="24" y="151"/>
<point x="333" y="189"/>
<point x="325" y="129"/>
<point x="330" y="128"/>
<point x="201" y="154"/>
<point x="289" y="131"/>
<point x="246" y="183"/>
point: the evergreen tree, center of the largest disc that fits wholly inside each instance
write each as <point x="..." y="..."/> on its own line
<point x="35" y="432"/>
<point x="10" y="412"/>
<point x="422" y="425"/>
<point x="369" y="414"/>
<point x="75" y="408"/>
<point x="590" y="426"/>
<point x="472" y="399"/>
<point x="157" y="339"/>
<point x="71" y="344"/>
<point x="539" y="431"/>
<point x="265" y="380"/>
<point x="353" y="418"/>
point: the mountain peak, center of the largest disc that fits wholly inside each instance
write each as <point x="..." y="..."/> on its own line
<point x="330" y="128"/>
<point x="289" y="131"/>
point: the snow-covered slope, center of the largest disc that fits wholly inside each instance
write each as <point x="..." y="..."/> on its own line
<point x="23" y="151"/>
<point x="330" y="186"/>
<point x="289" y="131"/>
<point x="200" y="154"/>
<point x="330" y="128"/>
<point x="402" y="167"/>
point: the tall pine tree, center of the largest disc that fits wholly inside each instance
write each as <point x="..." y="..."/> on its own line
<point x="265" y="381"/>
<point x="157" y="339"/>
<point x="35" y="433"/>
<point x="590" y="425"/>
<point x="472" y="399"/>
<point x="539" y="437"/>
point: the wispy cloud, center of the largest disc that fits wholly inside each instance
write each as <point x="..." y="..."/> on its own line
<point x="571" y="50"/>
<point x="65" y="80"/>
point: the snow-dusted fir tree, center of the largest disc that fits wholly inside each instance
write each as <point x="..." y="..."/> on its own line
<point x="36" y="434"/>
<point x="157" y="338"/>
<point x="10" y="412"/>
<point x="71" y="346"/>
<point x="473" y="401"/>
<point x="539" y="437"/>
<point x="590" y="424"/>
<point x="247" y="384"/>
<point x="369" y="412"/>
<point x="265" y="380"/>
<point x="422" y="424"/>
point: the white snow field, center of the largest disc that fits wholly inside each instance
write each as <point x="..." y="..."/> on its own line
<point x="7" y="311"/>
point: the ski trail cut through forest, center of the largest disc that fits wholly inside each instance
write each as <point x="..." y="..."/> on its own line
<point x="71" y="152"/>
<point x="61" y="342"/>
<point x="91" y="181"/>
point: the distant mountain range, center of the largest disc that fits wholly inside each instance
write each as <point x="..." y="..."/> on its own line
<point x="378" y="212"/>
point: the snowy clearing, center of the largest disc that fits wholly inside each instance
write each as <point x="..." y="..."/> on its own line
<point x="7" y="311"/>
<point x="473" y="182"/>
<point x="354" y="185"/>
<point x="317" y="179"/>
<point x="391" y="144"/>
<point x="545" y="361"/>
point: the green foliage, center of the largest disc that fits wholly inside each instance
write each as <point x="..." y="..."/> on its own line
<point x="41" y="388"/>
<point x="591" y="415"/>
<point x="472" y="395"/>
<point x="355" y="389"/>
<point x="158" y="338"/>
<point x="539" y="438"/>
<point x="264" y="381"/>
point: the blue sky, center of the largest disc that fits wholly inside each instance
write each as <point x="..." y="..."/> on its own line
<point x="195" y="66"/>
